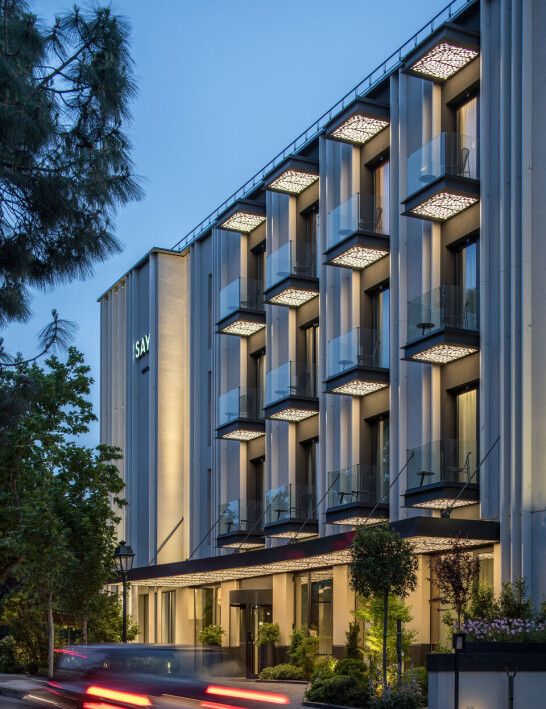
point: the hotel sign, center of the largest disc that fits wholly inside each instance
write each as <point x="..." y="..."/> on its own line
<point x="142" y="346"/>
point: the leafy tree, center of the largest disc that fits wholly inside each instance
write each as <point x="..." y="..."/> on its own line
<point x="65" y="161"/>
<point x="382" y="565"/>
<point x="57" y="498"/>
<point x="353" y="649"/>
<point x="455" y="574"/>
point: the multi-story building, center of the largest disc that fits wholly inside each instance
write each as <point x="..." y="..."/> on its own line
<point x="358" y="334"/>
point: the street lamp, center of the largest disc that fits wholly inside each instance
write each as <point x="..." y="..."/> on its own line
<point x="123" y="559"/>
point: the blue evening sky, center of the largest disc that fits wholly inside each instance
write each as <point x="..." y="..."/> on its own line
<point x="223" y="86"/>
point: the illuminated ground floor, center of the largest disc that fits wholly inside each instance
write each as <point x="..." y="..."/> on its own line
<point x="303" y="583"/>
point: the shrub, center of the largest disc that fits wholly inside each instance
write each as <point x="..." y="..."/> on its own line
<point x="285" y="671"/>
<point x="347" y="666"/>
<point x="211" y="635"/>
<point x="406" y="696"/>
<point x="324" y="667"/>
<point x="303" y="650"/>
<point x="513" y="601"/>
<point x="8" y="656"/>
<point x="420" y="676"/>
<point x="352" y="646"/>
<point x="268" y="634"/>
<point x="341" y="689"/>
<point x="483" y="604"/>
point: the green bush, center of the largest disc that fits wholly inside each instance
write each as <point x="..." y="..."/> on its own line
<point x="420" y="676"/>
<point x="407" y="696"/>
<point x="303" y="650"/>
<point x="350" y="690"/>
<point x="285" y="671"/>
<point x="353" y="650"/>
<point x="514" y="602"/>
<point x="211" y="635"/>
<point x="268" y="634"/>
<point x="8" y="656"/>
<point x="324" y="667"/>
<point x="348" y="666"/>
<point x="483" y="604"/>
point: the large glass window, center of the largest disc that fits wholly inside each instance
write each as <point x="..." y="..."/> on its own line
<point x="311" y="356"/>
<point x="381" y="180"/>
<point x="311" y="225"/>
<point x="259" y="363"/>
<point x="143" y="619"/>
<point x="314" y="606"/>
<point x="466" y="266"/>
<point x="380" y="453"/>
<point x="380" y="324"/>
<point x="466" y="430"/>
<point x="168" y="608"/>
<point x="206" y="608"/>
<point x="467" y="137"/>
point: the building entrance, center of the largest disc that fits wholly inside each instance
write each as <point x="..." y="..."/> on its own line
<point x="253" y="608"/>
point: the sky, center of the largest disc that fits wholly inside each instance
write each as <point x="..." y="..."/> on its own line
<point x="223" y="86"/>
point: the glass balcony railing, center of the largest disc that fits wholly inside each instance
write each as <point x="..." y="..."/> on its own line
<point x="290" y="379"/>
<point x="359" y="484"/>
<point x="239" y="403"/>
<point x="447" y="460"/>
<point x="446" y="154"/>
<point x="443" y="307"/>
<point x="240" y="516"/>
<point x="290" y="502"/>
<point x="361" y="212"/>
<point x="360" y="347"/>
<point x="241" y="294"/>
<point x="291" y="259"/>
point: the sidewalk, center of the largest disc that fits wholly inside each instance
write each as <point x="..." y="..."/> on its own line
<point x="19" y="685"/>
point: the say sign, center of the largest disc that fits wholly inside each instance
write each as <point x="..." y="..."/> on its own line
<point x="142" y="346"/>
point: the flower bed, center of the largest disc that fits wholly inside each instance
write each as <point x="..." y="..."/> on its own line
<point x="505" y="630"/>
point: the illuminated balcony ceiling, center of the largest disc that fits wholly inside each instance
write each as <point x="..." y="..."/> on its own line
<point x="242" y="328"/>
<point x="293" y="297"/>
<point x="443" y="354"/>
<point x="243" y="222"/>
<point x="443" y="503"/>
<point x="242" y="434"/>
<point x="243" y="546"/>
<point x="443" y="206"/>
<point x="443" y="60"/>
<point x="354" y="519"/>
<point x="293" y="176"/>
<point x="358" y="257"/>
<point x="358" y="387"/>
<point x="290" y="535"/>
<point x="361" y="121"/>
<point x="293" y="414"/>
<point x="429" y="545"/>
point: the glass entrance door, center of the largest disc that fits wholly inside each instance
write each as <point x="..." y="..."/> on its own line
<point x="251" y="617"/>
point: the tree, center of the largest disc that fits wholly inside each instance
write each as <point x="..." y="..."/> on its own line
<point x="65" y="161"/>
<point x="57" y="497"/>
<point x="382" y="564"/>
<point x="455" y="574"/>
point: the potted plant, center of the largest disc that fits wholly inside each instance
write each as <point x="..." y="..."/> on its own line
<point x="268" y="635"/>
<point x="211" y="635"/>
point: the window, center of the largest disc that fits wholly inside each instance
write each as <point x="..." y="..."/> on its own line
<point x="259" y="364"/>
<point x="380" y="454"/>
<point x="381" y="184"/>
<point x="466" y="432"/>
<point x="256" y="489"/>
<point x="314" y="606"/>
<point x="311" y="225"/>
<point x="168" y="605"/>
<point x="258" y="255"/>
<point x="143" y="621"/>
<point x="467" y="119"/>
<point x="466" y="265"/>
<point x="206" y="603"/>
<point x="309" y="464"/>
<point x="380" y="325"/>
<point x="311" y="357"/>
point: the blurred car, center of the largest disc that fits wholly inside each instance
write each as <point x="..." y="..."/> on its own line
<point x="157" y="676"/>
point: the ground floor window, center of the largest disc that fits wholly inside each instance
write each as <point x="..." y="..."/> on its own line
<point x="143" y="619"/>
<point x="314" y="606"/>
<point x="168" y="609"/>
<point x="206" y="608"/>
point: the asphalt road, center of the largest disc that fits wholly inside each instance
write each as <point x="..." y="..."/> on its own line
<point x="11" y="703"/>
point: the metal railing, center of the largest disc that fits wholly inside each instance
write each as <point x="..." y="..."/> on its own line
<point x="446" y="306"/>
<point x="361" y="347"/>
<point x="361" y="212"/>
<point x="241" y="294"/>
<point x="363" y="484"/>
<point x="239" y="403"/>
<point x="290" y="502"/>
<point x="446" y="460"/>
<point x="309" y="134"/>
<point x="446" y="154"/>
<point x="239" y="516"/>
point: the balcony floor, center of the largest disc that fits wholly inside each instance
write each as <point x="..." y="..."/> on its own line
<point x="358" y="250"/>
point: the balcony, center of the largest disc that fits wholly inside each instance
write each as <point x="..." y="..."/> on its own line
<point x="444" y="54"/>
<point x="443" y="325"/>
<point x="240" y="525"/>
<point x="291" y="275"/>
<point x="440" y="475"/>
<point x="241" y="308"/>
<point x="291" y="393"/>
<point x="240" y="417"/>
<point x="443" y="178"/>
<point x="358" y="362"/>
<point x="358" y="232"/>
<point x="290" y="512"/>
<point x="354" y="494"/>
<point x="359" y="122"/>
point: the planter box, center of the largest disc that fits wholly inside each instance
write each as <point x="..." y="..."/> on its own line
<point x="492" y="646"/>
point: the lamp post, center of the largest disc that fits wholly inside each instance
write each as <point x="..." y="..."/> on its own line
<point x="459" y="644"/>
<point x="123" y="559"/>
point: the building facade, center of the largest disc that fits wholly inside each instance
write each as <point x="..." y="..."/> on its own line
<point x="357" y="335"/>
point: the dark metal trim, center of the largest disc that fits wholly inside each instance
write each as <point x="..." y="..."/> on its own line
<point x="367" y="374"/>
<point x="310" y="283"/>
<point x="292" y="402"/>
<point x="449" y="490"/>
<point x="446" y="336"/>
<point x="241" y="424"/>
<point x="246" y="315"/>
<point x="364" y="239"/>
<point x="338" y="513"/>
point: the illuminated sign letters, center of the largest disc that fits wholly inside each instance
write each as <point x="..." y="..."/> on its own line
<point x="142" y="346"/>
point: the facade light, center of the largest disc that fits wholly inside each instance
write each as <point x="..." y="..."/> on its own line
<point x="357" y="519"/>
<point x="243" y="221"/>
<point x="359" y="387"/>
<point x="301" y="534"/>
<point x="443" y="60"/>
<point x="443" y="503"/>
<point x="358" y="257"/>
<point x="429" y="545"/>
<point x="443" y="206"/>
<point x="246" y="546"/>
<point x="293" y="297"/>
<point x="243" y="328"/>
<point x="242" y="435"/>
<point x="359" y="128"/>
<point x="293" y="415"/>
<point x="293" y="182"/>
<point x="443" y="354"/>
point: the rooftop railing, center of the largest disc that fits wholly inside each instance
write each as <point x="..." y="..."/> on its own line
<point x="309" y="134"/>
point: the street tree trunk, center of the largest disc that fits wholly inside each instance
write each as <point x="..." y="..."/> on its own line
<point x="50" y="636"/>
<point x="385" y="630"/>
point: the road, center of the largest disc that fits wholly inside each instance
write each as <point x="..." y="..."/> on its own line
<point x="11" y="703"/>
